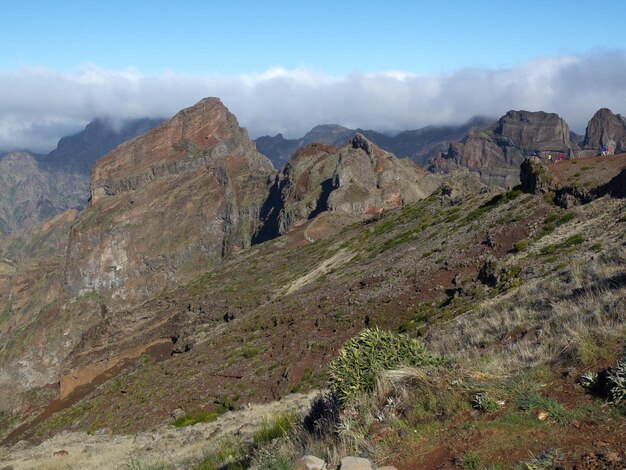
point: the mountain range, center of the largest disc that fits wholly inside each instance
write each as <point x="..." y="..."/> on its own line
<point x="419" y="145"/>
<point x="199" y="279"/>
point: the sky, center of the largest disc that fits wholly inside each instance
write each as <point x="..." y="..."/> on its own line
<point x="285" y="66"/>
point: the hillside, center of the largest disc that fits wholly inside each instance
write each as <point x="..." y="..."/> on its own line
<point x="159" y="297"/>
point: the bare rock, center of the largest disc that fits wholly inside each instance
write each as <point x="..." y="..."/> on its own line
<point x="497" y="152"/>
<point x="310" y="462"/>
<point x="356" y="463"/>
<point x="198" y="163"/>
<point x="605" y="129"/>
<point x="177" y="413"/>
<point x="357" y="179"/>
<point x="535" y="177"/>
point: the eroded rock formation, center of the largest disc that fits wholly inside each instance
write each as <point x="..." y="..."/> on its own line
<point x="497" y="152"/>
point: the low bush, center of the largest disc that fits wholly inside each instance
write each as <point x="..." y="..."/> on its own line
<point x="483" y="402"/>
<point x="521" y="245"/>
<point x="363" y="357"/>
<point x="270" y="430"/>
<point x="533" y="401"/>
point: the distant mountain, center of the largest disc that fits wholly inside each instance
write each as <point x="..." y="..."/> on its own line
<point x="419" y="145"/>
<point x="34" y="188"/>
<point x="496" y="152"/>
<point x="80" y="151"/>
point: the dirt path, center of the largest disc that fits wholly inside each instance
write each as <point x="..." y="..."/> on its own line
<point x="175" y="446"/>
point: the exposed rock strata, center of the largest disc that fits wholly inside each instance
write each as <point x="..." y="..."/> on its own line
<point x="198" y="175"/>
<point x="357" y="179"/>
<point x="605" y="129"/>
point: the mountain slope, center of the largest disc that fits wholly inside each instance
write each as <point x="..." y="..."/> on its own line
<point x="114" y="328"/>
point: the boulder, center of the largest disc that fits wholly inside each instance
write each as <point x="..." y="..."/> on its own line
<point x="535" y="177"/>
<point x="356" y="463"/>
<point x="310" y="462"/>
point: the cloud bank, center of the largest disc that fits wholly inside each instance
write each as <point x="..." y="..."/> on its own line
<point x="39" y="105"/>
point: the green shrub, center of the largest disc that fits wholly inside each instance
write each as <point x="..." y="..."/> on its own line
<point x="227" y="454"/>
<point x="573" y="241"/>
<point x="363" y="357"/>
<point x="545" y="461"/>
<point x="589" y="380"/>
<point x="194" y="417"/>
<point x="470" y="461"/>
<point x="277" y="427"/>
<point x="521" y="245"/>
<point x="135" y="464"/>
<point x="568" y="216"/>
<point x="548" y="228"/>
<point x="551" y="218"/>
<point x="483" y="402"/>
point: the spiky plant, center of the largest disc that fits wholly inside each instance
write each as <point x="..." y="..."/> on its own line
<point x="589" y="380"/>
<point x="616" y="379"/>
<point x="483" y="402"/>
<point x="373" y="350"/>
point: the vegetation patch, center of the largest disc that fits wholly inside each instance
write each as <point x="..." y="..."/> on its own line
<point x="363" y="357"/>
<point x="194" y="417"/>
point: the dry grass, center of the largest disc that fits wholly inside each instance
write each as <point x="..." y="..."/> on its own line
<point x="572" y="316"/>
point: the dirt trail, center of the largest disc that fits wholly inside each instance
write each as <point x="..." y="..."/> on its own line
<point x="78" y="450"/>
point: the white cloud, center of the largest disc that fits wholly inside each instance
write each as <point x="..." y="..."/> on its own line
<point x="40" y="105"/>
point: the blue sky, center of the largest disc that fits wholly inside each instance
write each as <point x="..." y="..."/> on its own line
<point x="335" y="37"/>
<point x="287" y="66"/>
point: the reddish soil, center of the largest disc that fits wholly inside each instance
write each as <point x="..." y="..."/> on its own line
<point x="602" y="169"/>
<point x="596" y="443"/>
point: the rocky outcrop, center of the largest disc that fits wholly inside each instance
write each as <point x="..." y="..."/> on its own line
<point x="535" y="178"/>
<point x="357" y="179"/>
<point x="575" y="182"/>
<point x="167" y="204"/>
<point x="605" y="129"/>
<point x="497" y="152"/>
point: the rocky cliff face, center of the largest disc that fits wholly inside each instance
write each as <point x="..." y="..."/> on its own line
<point x="168" y="204"/>
<point x="357" y="179"/>
<point x="497" y="152"/>
<point x="605" y="129"/>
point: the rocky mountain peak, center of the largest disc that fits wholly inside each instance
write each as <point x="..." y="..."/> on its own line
<point x="359" y="141"/>
<point x="496" y="153"/>
<point x="354" y="180"/>
<point x="605" y="129"/>
<point x="195" y="136"/>
<point x="187" y="191"/>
